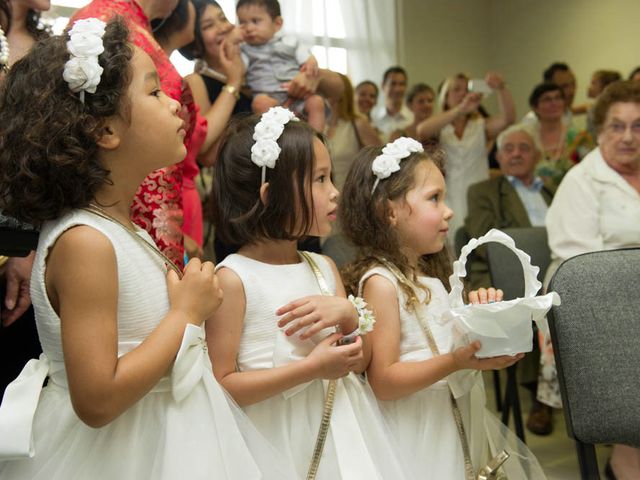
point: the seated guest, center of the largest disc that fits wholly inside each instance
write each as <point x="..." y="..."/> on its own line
<point x="563" y="145"/>
<point x="560" y="74"/>
<point x="597" y="207"/>
<point x="599" y="80"/>
<point x="516" y="198"/>
<point x="420" y="101"/>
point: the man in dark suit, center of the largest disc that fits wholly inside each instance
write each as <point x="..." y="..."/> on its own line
<point x="517" y="198"/>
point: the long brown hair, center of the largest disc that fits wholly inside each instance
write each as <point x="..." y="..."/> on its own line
<point x="364" y="217"/>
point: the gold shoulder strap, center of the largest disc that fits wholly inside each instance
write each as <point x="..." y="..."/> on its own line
<point x="457" y="416"/>
<point x="331" y="390"/>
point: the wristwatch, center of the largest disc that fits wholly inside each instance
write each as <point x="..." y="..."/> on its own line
<point x="232" y="90"/>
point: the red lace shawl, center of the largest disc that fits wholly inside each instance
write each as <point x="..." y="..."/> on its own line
<point x="157" y="206"/>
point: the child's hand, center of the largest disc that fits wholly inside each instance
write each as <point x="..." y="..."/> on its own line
<point x="330" y="361"/>
<point x="485" y="295"/>
<point x="465" y="358"/>
<point x="318" y="312"/>
<point x="197" y="295"/>
<point x="310" y="67"/>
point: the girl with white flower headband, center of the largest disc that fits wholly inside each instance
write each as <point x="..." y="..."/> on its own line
<point x="130" y="392"/>
<point x="286" y="339"/>
<point x="430" y="391"/>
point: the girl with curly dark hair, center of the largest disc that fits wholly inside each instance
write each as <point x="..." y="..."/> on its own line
<point x="130" y="391"/>
<point x="393" y="208"/>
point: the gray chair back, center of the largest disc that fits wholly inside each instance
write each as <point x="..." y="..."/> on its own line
<point x="504" y="266"/>
<point x="595" y="335"/>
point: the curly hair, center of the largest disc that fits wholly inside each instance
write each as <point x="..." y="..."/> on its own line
<point x="364" y="219"/>
<point x="238" y="214"/>
<point x="49" y="160"/>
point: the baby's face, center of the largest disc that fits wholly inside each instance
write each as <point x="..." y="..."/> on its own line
<point x="257" y="25"/>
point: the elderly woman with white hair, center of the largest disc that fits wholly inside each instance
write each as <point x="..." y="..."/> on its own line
<point x="463" y="134"/>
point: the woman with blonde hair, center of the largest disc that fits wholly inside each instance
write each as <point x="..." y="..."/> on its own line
<point x="463" y="134"/>
<point x="347" y="132"/>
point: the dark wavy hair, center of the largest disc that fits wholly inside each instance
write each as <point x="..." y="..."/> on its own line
<point x="238" y="214"/>
<point x="5" y="15"/>
<point x="540" y="90"/>
<point x="163" y="28"/>
<point x="364" y="219"/>
<point x="196" y="48"/>
<point x="49" y="160"/>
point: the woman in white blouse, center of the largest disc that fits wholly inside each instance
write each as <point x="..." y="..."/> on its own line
<point x="463" y="133"/>
<point x="597" y="207"/>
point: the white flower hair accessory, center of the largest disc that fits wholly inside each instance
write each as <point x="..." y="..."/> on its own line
<point x="392" y="153"/>
<point x="266" y="150"/>
<point x="82" y="72"/>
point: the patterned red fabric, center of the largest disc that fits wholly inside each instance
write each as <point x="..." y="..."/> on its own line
<point x="157" y="206"/>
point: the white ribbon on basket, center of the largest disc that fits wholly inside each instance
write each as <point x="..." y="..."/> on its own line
<point x="494" y="320"/>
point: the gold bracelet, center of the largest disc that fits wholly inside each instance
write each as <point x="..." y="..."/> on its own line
<point x="232" y="90"/>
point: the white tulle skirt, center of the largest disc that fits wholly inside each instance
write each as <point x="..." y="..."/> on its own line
<point x="358" y="446"/>
<point x="203" y="436"/>
<point x="425" y="430"/>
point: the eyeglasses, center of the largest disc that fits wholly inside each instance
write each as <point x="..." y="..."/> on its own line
<point x="619" y="128"/>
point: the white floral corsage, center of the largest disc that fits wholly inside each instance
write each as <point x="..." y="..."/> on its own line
<point x="366" y="319"/>
<point x="392" y="153"/>
<point x="266" y="150"/>
<point x="83" y="71"/>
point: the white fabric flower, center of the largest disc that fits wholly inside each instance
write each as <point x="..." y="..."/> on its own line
<point x="385" y="165"/>
<point x="83" y="71"/>
<point x="278" y="114"/>
<point x="366" y="318"/>
<point x="85" y="45"/>
<point x="268" y="130"/>
<point x="93" y="26"/>
<point x="82" y="74"/>
<point x="402" y="147"/>
<point x="264" y="153"/>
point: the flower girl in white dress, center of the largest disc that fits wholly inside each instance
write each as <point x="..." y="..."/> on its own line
<point x="130" y="393"/>
<point x="273" y="342"/>
<point x="430" y="390"/>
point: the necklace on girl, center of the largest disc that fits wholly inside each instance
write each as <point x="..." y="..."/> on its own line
<point x="100" y="212"/>
<point x="4" y="50"/>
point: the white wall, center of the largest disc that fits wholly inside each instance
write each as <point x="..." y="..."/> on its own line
<point x="519" y="38"/>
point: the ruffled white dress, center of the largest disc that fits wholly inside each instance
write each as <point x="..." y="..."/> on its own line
<point x="358" y="446"/>
<point x="185" y="427"/>
<point x="423" y="423"/>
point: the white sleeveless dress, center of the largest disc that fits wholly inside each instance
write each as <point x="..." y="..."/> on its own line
<point x="466" y="163"/>
<point x="358" y="445"/>
<point x="185" y="427"/>
<point x="423" y="424"/>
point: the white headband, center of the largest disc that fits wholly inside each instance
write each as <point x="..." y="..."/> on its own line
<point x="389" y="161"/>
<point x="266" y="150"/>
<point x="82" y="71"/>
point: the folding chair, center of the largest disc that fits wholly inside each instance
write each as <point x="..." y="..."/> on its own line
<point x="595" y="336"/>
<point x="506" y="274"/>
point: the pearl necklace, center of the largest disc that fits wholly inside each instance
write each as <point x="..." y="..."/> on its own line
<point x="4" y="50"/>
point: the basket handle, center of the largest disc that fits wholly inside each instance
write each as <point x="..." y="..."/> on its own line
<point x="531" y="283"/>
